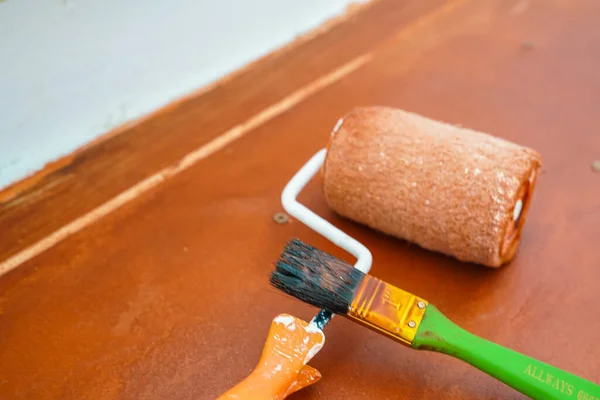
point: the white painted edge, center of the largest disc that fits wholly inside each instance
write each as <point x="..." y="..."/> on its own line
<point x="186" y="162"/>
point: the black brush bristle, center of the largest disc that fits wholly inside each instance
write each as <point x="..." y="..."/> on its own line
<point x="316" y="277"/>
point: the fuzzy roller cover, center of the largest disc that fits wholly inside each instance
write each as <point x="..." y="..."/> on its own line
<point x="448" y="189"/>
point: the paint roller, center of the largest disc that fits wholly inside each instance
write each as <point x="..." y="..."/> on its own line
<point x="446" y="188"/>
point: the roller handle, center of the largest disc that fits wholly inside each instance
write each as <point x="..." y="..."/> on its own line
<point x="282" y="368"/>
<point x="531" y="377"/>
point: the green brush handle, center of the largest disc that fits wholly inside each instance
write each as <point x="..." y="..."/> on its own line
<point x="531" y="377"/>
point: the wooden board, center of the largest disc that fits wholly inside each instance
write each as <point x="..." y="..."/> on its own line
<point x="166" y="295"/>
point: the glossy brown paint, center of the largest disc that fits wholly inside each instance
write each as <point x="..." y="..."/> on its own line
<point x="167" y="136"/>
<point x="168" y="297"/>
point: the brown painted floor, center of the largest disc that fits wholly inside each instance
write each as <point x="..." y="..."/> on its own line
<point x="167" y="297"/>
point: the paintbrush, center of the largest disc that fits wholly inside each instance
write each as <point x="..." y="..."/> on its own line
<point x="329" y="283"/>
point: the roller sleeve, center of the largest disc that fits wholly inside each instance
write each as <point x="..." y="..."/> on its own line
<point x="446" y="188"/>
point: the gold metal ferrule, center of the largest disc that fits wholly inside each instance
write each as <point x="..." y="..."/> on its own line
<point x="387" y="309"/>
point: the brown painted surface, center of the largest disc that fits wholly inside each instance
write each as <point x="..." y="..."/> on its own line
<point x="168" y="297"/>
<point x="163" y="139"/>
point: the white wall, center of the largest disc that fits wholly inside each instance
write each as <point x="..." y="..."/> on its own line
<point x="71" y="70"/>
